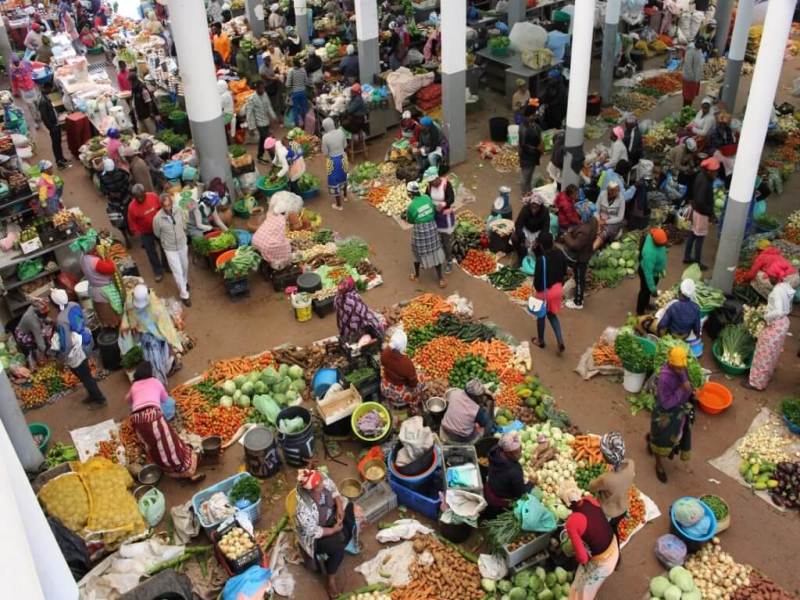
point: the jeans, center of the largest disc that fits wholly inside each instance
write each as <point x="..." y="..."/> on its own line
<point x="696" y="242"/>
<point x="178" y="261"/>
<point x="554" y="323"/>
<point x="263" y="134"/>
<point x="526" y="173"/>
<point x="580" y="281"/>
<point x="149" y="244"/>
<point x="643" y="299"/>
<point x="299" y="107"/>
<point x="55" y="141"/>
<point x="84" y="373"/>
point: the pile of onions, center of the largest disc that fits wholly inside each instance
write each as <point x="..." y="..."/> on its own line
<point x="715" y="573"/>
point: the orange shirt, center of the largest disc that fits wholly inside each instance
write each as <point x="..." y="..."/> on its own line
<point x="222" y="44"/>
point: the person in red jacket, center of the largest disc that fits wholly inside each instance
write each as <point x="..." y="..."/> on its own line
<point x="141" y="212"/>
<point x="568" y="217"/>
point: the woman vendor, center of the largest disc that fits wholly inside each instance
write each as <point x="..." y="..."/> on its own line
<point x="770" y="341"/>
<point x="355" y="116"/>
<point x="147" y="323"/>
<point x="673" y="414"/>
<point x="49" y="191"/>
<point x="596" y="547"/>
<point x="354" y="319"/>
<point x="270" y="238"/>
<point x="505" y="482"/>
<point x="204" y="216"/>
<point x="532" y="220"/>
<point x="443" y="197"/>
<point x="114" y="148"/>
<point x="400" y="385"/>
<point x="409" y="128"/>
<point x="99" y="272"/>
<point x="165" y="448"/>
<point x="34" y="330"/>
<point x="326" y="523"/>
<point x="466" y="418"/>
<point x="612" y="487"/>
<point x="334" y="145"/>
<point x="426" y="245"/>
<point x="682" y="317"/>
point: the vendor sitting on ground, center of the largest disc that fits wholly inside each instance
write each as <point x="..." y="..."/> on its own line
<point x="354" y="319"/>
<point x="270" y="238"/>
<point x="465" y="420"/>
<point x="532" y="220"/>
<point x="505" y="482"/>
<point x="164" y="446"/>
<point x="429" y="141"/>
<point x="34" y="330"/>
<point x="204" y="216"/>
<point x="703" y="121"/>
<point x="326" y="523"/>
<point x="409" y="128"/>
<point x="400" y="385"/>
<point x="682" y="317"/>
<point x="610" y="212"/>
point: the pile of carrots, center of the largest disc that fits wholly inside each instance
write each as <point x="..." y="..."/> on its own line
<point x="241" y="365"/>
<point x="506" y="397"/>
<point x="377" y="195"/>
<point x="603" y="354"/>
<point x="188" y="401"/>
<point x="479" y="263"/>
<point x="635" y="516"/>
<point x="134" y="450"/>
<point x="423" y="310"/>
<point x="587" y="447"/>
<point x="437" y="357"/>
<point x="522" y="293"/>
<point x="497" y="354"/>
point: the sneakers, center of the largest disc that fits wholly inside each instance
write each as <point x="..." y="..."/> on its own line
<point x="63" y="164"/>
<point x="571" y="304"/>
<point x="186" y="301"/>
<point x="448" y="268"/>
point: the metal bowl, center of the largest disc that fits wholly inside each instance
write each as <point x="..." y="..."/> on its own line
<point x="350" y="488"/>
<point x="374" y="470"/>
<point x="436" y="404"/>
<point x="149" y="474"/>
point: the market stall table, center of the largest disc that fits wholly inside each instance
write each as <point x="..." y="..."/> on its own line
<point x="79" y="131"/>
<point x="502" y="72"/>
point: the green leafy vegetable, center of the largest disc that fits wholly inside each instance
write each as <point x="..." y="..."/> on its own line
<point x="132" y="358"/>
<point x="631" y="353"/>
<point x="790" y="408"/>
<point x="246" y="488"/>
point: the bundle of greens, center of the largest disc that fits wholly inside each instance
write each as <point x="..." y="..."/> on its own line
<point x="132" y="358"/>
<point x="364" y="172"/>
<point x="631" y="353"/>
<point x="172" y="139"/>
<point x="246" y="488"/>
<point x="307" y="182"/>
<point x="790" y="408"/>
<point x="502" y="530"/>
<point x="352" y="250"/>
<point x="736" y="345"/>
<point x="245" y="260"/>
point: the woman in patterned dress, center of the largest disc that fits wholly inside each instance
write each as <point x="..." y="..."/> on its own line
<point x="334" y="145"/>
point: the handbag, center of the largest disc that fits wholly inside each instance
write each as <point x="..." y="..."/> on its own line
<point x="536" y="306"/>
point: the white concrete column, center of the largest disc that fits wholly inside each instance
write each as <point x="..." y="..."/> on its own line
<point x="255" y="16"/>
<point x="580" y="64"/>
<point x="369" y="61"/>
<point x="454" y="77"/>
<point x="301" y="20"/>
<point x="516" y="13"/>
<point x="12" y="420"/>
<point x="733" y="68"/>
<point x="609" y="45"/>
<point x="766" y="76"/>
<point x="203" y="105"/>
<point x="5" y="46"/>
<point x="723" y="18"/>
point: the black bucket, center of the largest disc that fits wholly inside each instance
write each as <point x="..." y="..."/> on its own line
<point x="109" y="349"/>
<point x="499" y="243"/>
<point x="498" y="129"/>
<point x="297" y="448"/>
<point x="456" y="533"/>
<point x="261" y="452"/>
<point x="415" y="467"/>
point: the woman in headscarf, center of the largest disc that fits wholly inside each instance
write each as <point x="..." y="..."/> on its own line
<point x="673" y="414"/>
<point x="466" y="417"/>
<point x="652" y="266"/>
<point x="147" y="323"/>
<point x="354" y="318"/>
<point x="612" y="487"/>
<point x="270" y="238"/>
<point x="49" y="191"/>
<point x="409" y="128"/>
<point x="443" y="197"/>
<point x="99" y="272"/>
<point x="34" y="330"/>
<point x="770" y="341"/>
<point x="682" y="317"/>
<point x="22" y="84"/>
<point x="165" y="448"/>
<point x="426" y="245"/>
<point x="505" y="482"/>
<point x="400" y="385"/>
<point x="596" y="547"/>
<point x="355" y="116"/>
<point x="533" y="220"/>
<point x="326" y="523"/>
<point x="618" y="149"/>
<point x="334" y="145"/>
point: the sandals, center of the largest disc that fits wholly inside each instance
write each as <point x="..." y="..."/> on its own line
<point x="442" y="284"/>
<point x="746" y="385"/>
<point x="561" y="348"/>
<point x="537" y="342"/>
<point x="661" y="475"/>
<point x="412" y="278"/>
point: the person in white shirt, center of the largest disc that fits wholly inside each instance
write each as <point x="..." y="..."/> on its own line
<point x="703" y="121"/>
<point x="618" y="150"/>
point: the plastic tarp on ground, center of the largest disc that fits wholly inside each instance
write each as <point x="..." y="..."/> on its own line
<point x="527" y="36"/>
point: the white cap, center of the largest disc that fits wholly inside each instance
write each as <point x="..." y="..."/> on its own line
<point x="412" y="186"/>
<point x="141" y="296"/>
<point x="688" y="288"/>
<point x="59" y="297"/>
<point x="406" y="114"/>
<point x="399" y="340"/>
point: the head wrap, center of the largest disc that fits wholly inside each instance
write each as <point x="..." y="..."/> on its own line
<point x="688" y="288"/>
<point x="659" y="236"/>
<point x="426" y="121"/>
<point x="412" y="186"/>
<point x="44" y="165"/>
<point x="356" y="88"/>
<point x="308" y="479"/>
<point x="351" y="49"/>
<point x="406" y="114"/>
<point x="710" y="164"/>
<point x="113" y="133"/>
<point x="613" y="185"/>
<point x="108" y="165"/>
<point x="141" y="296"/>
<point x="533" y="198"/>
<point x="520" y="82"/>
<point x="569" y="492"/>
<point x="15" y="59"/>
<point x="274" y="7"/>
<point x="35" y="26"/>
<point x="474" y="388"/>
<point x="678" y="357"/>
<point x="630" y="119"/>
<point x="347" y="284"/>
<point x="59" y="297"/>
<point x="510" y="442"/>
<point x="328" y="124"/>
<point x="613" y="448"/>
<point x="269" y="143"/>
<point x="691" y="145"/>
<point x="399" y="340"/>
<point x="619" y="132"/>
<point x="707" y="100"/>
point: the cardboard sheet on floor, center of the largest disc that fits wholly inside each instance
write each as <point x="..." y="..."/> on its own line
<point x="651" y="512"/>
<point x="87" y="438"/>
<point x="730" y="460"/>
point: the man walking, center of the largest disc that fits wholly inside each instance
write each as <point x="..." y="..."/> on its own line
<point x="259" y="116"/>
<point x="530" y="148"/>
<point x="169" y="226"/>
<point x="50" y="120"/>
<point x="141" y="213"/>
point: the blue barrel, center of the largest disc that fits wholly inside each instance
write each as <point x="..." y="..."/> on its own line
<point x="420" y="481"/>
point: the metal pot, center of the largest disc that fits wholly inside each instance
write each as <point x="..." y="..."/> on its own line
<point x="149" y="474"/>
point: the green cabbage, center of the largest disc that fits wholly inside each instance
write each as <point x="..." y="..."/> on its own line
<point x="488" y="585"/>
<point x="517" y="593"/>
<point x="229" y="387"/>
<point x="267" y="407"/>
<point x="659" y="585"/>
<point x="673" y="592"/>
<point x="682" y="578"/>
<point x="295" y="372"/>
<point x="561" y="574"/>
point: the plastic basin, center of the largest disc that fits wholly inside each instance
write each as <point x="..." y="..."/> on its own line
<point x="42" y="430"/>
<point x="647" y="345"/>
<point x="712" y="530"/>
<point x="363" y="409"/>
<point x="714" y="398"/>
<point x="224" y="257"/>
<point x="728" y="368"/>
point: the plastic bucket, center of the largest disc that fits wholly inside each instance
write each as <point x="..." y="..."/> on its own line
<point x="298" y="447"/>
<point x="498" y="129"/>
<point x="109" y="349"/>
<point x="513" y="135"/>
<point x="211" y="447"/>
<point x="633" y="382"/>
<point x="261" y="452"/>
<point x="302" y="307"/>
<point x="419" y="481"/>
<point x="323" y="379"/>
<point x="696" y="346"/>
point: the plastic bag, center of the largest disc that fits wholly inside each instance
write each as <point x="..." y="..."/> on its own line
<point x="692" y="272"/>
<point x="416" y="438"/>
<point x="403" y="529"/>
<point x="72" y="547"/>
<point x="289" y="426"/>
<point x="533" y="515"/>
<point x="267" y="407"/>
<point x="251" y="585"/>
<point x="670" y="551"/>
<point x="185" y="522"/>
<point x="168" y="408"/>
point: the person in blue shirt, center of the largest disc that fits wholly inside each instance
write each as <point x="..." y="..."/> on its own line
<point x="348" y="67"/>
<point x="557" y="41"/>
<point x="682" y="317"/>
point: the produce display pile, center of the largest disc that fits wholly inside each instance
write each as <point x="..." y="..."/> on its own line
<point x="616" y="261"/>
<point x="47" y="383"/>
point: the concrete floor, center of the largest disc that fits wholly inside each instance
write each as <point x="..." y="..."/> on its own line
<point x="760" y="535"/>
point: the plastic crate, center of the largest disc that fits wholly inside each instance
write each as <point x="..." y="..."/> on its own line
<point x="285" y="278"/>
<point x="378" y="500"/>
<point x="420" y="503"/>
<point x="323" y="307"/>
<point x="237" y="288"/>
<point x="233" y="567"/>
<point x="253" y="511"/>
<point x="524" y="552"/>
<point x="456" y="455"/>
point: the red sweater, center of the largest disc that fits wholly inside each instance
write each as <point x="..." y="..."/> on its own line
<point x="588" y="523"/>
<point x="140" y="215"/>
<point x="567" y="215"/>
<point x="398" y="368"/>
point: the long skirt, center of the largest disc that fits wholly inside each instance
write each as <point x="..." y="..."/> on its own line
<point x="164" y="447"/>
<point x="690" y="90"/>
<point x="768" y="351"/>
<point x="671" y="431"/>
<point x="402" y="396"/>
<point x="426" y="245"/>
<point x="589" y="577"/>
<point x="337" y="174"/>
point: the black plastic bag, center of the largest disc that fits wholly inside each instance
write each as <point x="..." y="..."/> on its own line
<point x="72" y="547"/>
